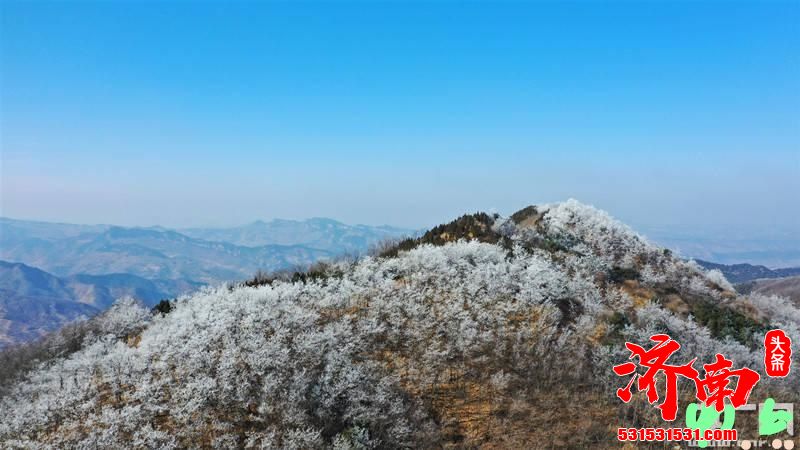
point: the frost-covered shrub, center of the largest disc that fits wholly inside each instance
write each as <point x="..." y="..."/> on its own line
<point x="778" y="310"/>
<point x="125" y="317"/>
<point x="652" y="276"/>
<point x="716" y="276"/>
<point x="609" y="237"/>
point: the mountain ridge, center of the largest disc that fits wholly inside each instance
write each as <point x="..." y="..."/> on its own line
<point x="744" y="272"/>
<point x="99" y="263"/>
<point x="34" y="302"/>
<point x="162" y="253"/>
<point x="320" y="232"/>
<point x="463" y="337"/>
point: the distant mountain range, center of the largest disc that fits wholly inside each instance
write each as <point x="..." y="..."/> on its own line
<point x="33" y="301"/>
<point x="210" y="255"/>
<point x="754" y="279"/>
<point x="60" y="272"/>
<point x="742" y="273"/>
<point x="317" y="233"/>
<point x="767" y="247"/>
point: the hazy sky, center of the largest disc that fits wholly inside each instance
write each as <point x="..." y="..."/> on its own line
<point x="183" y="113"/>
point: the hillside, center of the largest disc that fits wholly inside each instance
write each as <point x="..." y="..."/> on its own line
<point x="34" y="302"/>
<point x="788" y="287"/>
<point x="486" y="332"/>
<point x="97" y="264"/>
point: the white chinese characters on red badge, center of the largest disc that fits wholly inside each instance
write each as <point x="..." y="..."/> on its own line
<point x="777" y="353"/>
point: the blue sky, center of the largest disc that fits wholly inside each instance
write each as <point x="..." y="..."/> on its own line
<point x="682" y="114"/>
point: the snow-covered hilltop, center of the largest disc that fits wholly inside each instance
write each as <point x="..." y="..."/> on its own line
<point x="481" y="333"/>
